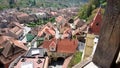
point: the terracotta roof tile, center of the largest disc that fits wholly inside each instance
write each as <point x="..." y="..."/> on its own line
<point x="3" y="39"/>
<point x="96" y="23"/>
<point x="60" y="19"/>
<point x="46" y="29"/>
<point x="7" y="44"/>
<point x="63" y="45"/>
<point x="19" y="44"/>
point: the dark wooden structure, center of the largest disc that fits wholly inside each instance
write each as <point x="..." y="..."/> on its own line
<point x="109" y="43"/>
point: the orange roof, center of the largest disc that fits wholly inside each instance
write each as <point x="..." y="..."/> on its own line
<point x="96" y="23"/>
<point x="52" y="44"/>
<point x="46" y="29"/>
<point x="19" y="44"/>
<point x="63" y="45"/>
<point x="7" y="44"/>
<point x="60" y="19"/>
<point x="3" y="39"/>
<point x="12" y="40"/>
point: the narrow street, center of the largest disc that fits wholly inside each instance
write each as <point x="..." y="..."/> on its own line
<point x="57" y="64"/>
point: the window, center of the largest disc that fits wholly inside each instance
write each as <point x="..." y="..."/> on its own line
<point x="97" y="24"/>
<point x="52" y="49"/>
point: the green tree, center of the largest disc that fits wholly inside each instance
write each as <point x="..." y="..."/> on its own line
<point x="86" y="11"/>
<point x="12" y="3"/>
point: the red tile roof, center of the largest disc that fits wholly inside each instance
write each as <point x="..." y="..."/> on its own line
<point x="60" y="19"/>
<point x="19" y="44"/>
<point x="63" y="45"/>
<point x="7" y="44"/>
<point x="7" y="54"/>
<point x="52" y="44"/>
<point x="3" y="39"/>
<point x="96" y="23"/>
<point x="47" y="30"/>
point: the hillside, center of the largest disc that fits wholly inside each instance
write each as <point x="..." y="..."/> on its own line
<point x="42" y="3"/>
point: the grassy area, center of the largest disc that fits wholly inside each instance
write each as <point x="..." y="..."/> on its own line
<point x="76" y="59"/>
<point x="87" y="12"/>
<point x="40" y="41"/>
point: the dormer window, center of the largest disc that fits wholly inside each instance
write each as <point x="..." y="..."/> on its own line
<point x="52" y="46"/>
<point x="52" y="49"/>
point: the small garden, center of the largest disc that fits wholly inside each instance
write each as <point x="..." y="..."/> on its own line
<point x="75" y="59"/>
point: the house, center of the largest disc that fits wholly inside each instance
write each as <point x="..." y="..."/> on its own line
<point x="34" y="58"/>
<point x="60" y="21"/>
<point x="46" y="30"/>
<point x="78" y="22"/>
<point x="53" y="13"/>
<point x="80" y="32"/>
<point x="32" y="18"/>
<point x="60" y="47"/>
<point x="67" y="34"/>
<point x="64" y="27"/>
<point x="15" y="30"/>
<point x="11" y="49"/>
<point x="96" y="23"/>
<point x="22" y="17"/>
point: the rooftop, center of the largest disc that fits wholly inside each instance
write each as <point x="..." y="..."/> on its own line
<point x="62" y="45"/>
<point x="33" y="59"/>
